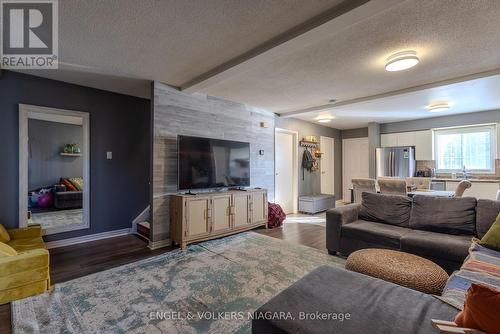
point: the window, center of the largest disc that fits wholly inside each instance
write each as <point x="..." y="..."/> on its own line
<point x="473" y="147"/>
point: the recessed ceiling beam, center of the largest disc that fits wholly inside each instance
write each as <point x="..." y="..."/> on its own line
<point x="336" y="19"/>
<point x="330" y="106"/>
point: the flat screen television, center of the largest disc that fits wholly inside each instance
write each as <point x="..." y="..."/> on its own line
<point x="212" y="163"/>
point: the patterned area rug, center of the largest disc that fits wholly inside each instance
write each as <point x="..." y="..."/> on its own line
<point x="176" y="292"/>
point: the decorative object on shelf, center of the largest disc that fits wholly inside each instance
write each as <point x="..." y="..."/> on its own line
<point x="317" y="153"/>
<point x="313" y="139"/>
<point x="72" y="148"/>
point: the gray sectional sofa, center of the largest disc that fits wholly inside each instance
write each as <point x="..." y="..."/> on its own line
<point x="336" y="300"/>
<point x="437" y="228"/>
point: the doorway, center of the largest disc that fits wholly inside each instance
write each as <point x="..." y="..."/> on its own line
<point x="54" y="175"/>
<point x="327" y="166"/>
<point x="354" y="163"/>
<point x="286" y="169"/>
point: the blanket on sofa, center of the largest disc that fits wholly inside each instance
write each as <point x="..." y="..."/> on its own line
<point x="482" y="266"/>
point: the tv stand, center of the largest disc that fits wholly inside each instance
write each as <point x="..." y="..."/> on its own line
<point x="204" y="216"/>
<point x="238" y="189"/>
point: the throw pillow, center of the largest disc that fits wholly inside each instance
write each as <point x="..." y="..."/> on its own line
<point x="6" y="250"/>
<point x="68" y="184"/>
<point x="77" y="182"/>
<point x="4" y="235"/>
<point x="444" y="215"/>
<point x="492" y="238"/>
<point x="387" y="209"/>
<point x="480" y="309"/>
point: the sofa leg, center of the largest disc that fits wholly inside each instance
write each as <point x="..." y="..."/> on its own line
<point x="331" y="252"/>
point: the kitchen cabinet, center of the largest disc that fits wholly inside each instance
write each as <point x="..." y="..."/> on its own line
<point x="422" y="140"/>
<point x="389" y="140"/>
<point x="423" y="145"/>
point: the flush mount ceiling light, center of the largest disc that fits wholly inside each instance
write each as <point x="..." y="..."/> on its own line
<point x="401" y="61"/>
<point x="438" y="106"/>
<point x="324" y="118"/>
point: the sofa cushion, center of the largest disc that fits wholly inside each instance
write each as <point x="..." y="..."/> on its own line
<point x="382" y="234"/>
<point x="373" y="305"/>
<point x="432" y="244"/>
<point x="387" y="209"/>
<point x="492" y="238"/>
<point x="445" y="215"/>
<point x="4" y="235"/>
<point x="22" y="245"/>
<point x="486" y="212"/>
<point x="6" y="250"/>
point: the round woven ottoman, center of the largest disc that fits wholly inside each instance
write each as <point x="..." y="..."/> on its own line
<point x="405" y="269"/>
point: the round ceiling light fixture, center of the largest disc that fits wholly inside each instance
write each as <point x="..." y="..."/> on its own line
<point x="438" y="106"/>
<point x="401" y="61"/>
<point x="324" y="120"/>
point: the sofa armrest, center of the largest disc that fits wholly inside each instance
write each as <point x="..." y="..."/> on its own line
<point x="32" y="231"/>
<point x="335" y="219"/>
<point x="35" y="258"/>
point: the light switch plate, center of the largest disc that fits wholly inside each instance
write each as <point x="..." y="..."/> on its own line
<point x="109" y="155"/>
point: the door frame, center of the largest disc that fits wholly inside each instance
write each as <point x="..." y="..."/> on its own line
<point x="27" y="112"/>
<point x="295" y="166"/>
<point x="333" y="161"/>
<point x="343" y="163"/>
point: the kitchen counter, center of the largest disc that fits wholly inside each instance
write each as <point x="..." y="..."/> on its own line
<point x="471" y="180"/>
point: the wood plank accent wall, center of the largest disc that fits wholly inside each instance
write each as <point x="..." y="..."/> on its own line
<point x="178" y="113"/>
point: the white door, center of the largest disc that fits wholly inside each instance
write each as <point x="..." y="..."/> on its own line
<point x="284" y="164"/>
<point x="326" y="165"/>
<point x="354" y="163"/>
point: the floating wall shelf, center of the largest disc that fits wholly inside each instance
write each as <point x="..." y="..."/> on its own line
<point x="70" y="154"/>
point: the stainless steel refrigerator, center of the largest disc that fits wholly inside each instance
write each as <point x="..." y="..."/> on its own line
<point x="396" y="161"/>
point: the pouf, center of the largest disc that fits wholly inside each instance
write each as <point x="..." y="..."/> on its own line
<point x="401" y="268"/>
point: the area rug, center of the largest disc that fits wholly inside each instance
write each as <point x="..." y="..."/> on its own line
<point x="212" y="287"/>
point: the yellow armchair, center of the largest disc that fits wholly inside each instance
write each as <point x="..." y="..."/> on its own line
<point x="27" y="272"/>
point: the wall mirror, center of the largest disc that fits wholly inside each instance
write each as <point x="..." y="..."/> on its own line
<point x="54" y="180"/>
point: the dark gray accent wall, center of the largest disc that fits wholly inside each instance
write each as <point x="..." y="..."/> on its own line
<point x="354" y="133"/>
<point x="118" y="123"/>
<point x="46" y="141"/>
<point x="481" y="117"/>
<point x="312" y="181"/>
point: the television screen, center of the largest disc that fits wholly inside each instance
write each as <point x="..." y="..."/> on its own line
<point x="212" y="163"/>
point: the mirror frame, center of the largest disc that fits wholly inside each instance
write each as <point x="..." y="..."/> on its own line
<point x="27" y="112"/>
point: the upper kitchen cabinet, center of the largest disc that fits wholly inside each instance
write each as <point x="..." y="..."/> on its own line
<point x="422" y="140"/>
<point x="423" y="145"/>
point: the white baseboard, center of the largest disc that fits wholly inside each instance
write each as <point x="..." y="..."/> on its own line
<point x="87" y="238"/>
<point x="159" y="244"/>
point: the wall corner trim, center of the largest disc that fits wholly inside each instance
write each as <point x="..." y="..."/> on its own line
<point x="87" y="238"/>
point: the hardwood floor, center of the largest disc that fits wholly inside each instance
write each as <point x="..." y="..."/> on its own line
<point x="83" y="259"/>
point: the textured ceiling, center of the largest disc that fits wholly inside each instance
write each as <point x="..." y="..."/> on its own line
<point x="464" y="97"/>
<point x="452" y="38"/>
<point x="120" y="45"/>
<point x="172" y="41"/>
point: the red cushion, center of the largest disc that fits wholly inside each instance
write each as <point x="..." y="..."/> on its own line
<point x="481" y="309"/>
<point x="276" y="215"/>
